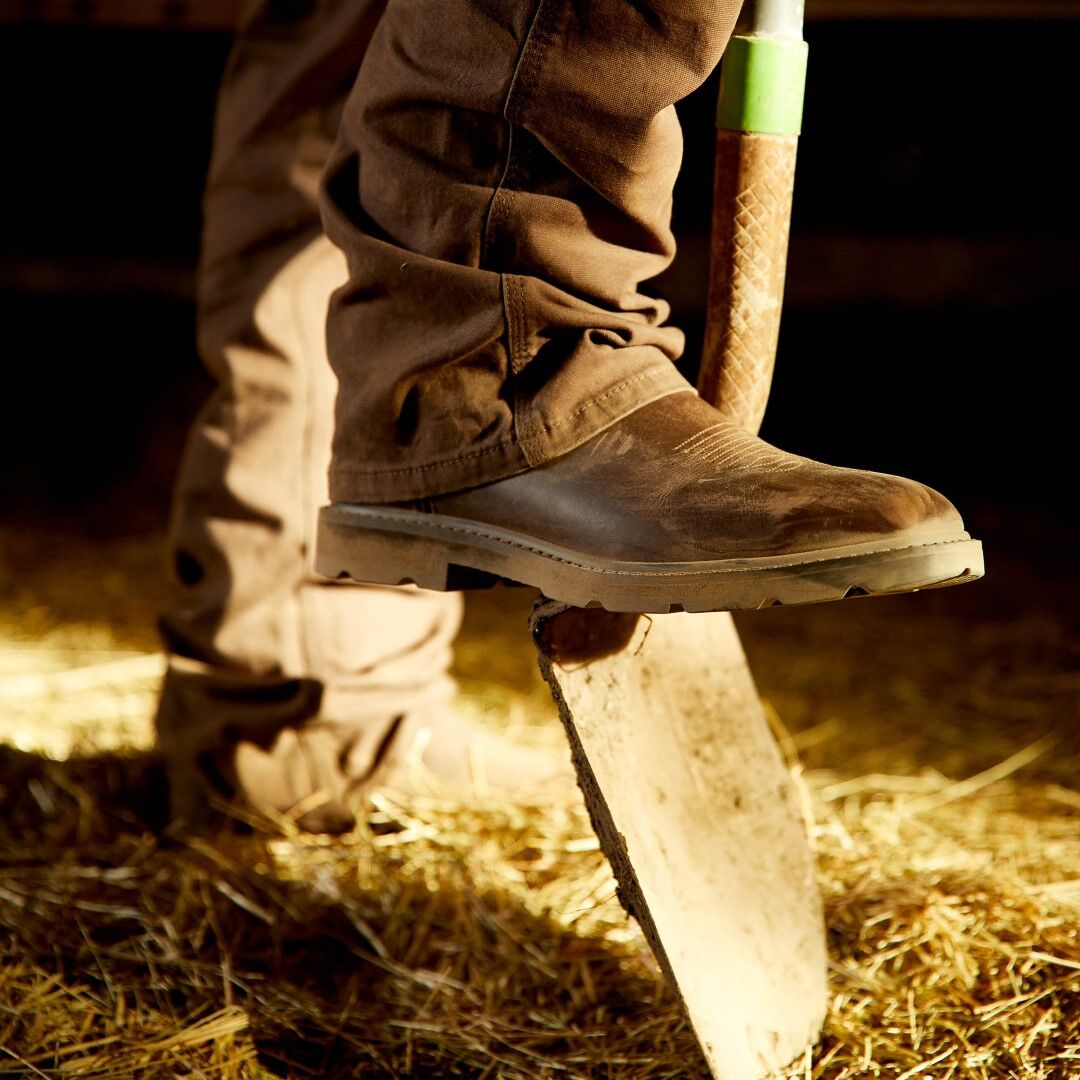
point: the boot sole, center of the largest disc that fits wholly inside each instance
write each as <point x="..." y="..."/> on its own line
<point x="387" y="546"/>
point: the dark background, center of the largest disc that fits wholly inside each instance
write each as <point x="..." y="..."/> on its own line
<point x="929" y="327"/>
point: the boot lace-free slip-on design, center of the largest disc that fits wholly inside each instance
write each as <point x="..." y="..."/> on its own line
<point x="669" y="508"/>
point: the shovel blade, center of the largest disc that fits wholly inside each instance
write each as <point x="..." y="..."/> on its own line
<point x="700" y="820"/>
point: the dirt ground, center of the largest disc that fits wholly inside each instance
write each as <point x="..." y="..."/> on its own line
<point x="937" y="737"/>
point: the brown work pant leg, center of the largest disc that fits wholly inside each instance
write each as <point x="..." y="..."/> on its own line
<point x="259" y="648"/>
<point x="501" y="186"/>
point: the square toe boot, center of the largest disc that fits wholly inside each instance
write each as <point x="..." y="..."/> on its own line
<point x="670" y="508"/>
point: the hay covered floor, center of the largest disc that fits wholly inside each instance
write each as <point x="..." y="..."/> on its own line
<point x="936" y="737"/>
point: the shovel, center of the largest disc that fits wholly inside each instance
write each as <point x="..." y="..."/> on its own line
<point x="687" y="791"/>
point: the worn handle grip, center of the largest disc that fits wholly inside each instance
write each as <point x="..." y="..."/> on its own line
<point x="754" y="182"/>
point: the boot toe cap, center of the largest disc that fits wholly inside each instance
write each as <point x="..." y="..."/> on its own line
<point x="848" y="507"/>
<point x="911" y="506"/>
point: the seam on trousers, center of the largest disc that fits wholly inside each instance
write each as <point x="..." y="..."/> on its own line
<point x="308" y="259"/>
<point x="497" y="206"/>
<point x="502" y="198"/>
<point x="505" y="444"/>
<point x="529" y="442"/>
<point x="517" y="324"/>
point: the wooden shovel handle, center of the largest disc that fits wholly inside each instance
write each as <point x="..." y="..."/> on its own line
<point x="755" y="178"/>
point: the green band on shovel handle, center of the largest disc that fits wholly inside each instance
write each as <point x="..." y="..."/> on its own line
<point x="762" y="83"/>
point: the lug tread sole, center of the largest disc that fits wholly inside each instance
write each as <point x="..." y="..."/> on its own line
<point x="397" y="547"/>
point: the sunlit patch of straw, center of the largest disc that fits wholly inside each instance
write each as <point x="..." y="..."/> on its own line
<point x="487" y="940"/>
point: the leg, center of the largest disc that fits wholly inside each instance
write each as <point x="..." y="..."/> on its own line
<point x="506" y="170"/>
<point x="501" y="187"/>
<point x="279" y="685"/>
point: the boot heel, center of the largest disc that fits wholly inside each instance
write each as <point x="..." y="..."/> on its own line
<point x="345" y="551"/>
<point x="384" y="558"/>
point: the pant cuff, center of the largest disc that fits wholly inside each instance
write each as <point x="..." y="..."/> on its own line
<point x="540" y="443"/>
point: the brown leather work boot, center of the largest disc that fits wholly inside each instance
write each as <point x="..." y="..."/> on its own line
<point x="669" y="508"/>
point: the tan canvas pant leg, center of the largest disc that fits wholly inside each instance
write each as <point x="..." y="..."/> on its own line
<point x="502" y="186"/>
<point x="305" y="677"/>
